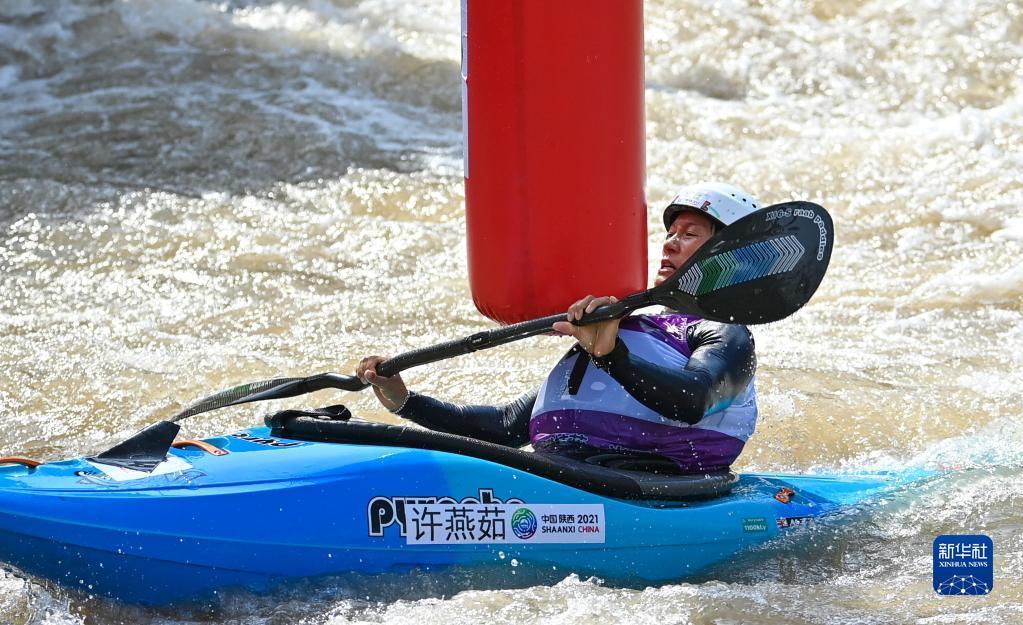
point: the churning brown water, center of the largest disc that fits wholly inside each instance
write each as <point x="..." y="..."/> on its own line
<point x="195" y="194"/>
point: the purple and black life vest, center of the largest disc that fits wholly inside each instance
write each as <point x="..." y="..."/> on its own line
<point x="602" y="414"/>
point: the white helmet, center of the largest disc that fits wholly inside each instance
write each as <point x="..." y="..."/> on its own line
<point x="723" y="203"/>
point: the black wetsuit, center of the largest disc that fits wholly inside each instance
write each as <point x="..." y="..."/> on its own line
<point x="718" y="371"/>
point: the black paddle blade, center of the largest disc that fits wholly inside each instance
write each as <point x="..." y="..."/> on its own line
<point x="144" y="451"/>
<point x="759" y="269"/>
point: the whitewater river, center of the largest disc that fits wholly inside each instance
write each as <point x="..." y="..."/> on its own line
<point x="195" y="194"/>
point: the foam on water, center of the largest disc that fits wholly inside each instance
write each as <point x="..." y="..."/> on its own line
<point x="256" y="90"/>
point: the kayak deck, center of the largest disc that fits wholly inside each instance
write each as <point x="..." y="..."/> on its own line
<point x="275" y="508"/>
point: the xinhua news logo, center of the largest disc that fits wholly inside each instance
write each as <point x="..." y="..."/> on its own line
<point x="964" y="564"/>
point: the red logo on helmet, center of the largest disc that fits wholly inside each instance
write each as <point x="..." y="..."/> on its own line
<point x="706" y="205"/>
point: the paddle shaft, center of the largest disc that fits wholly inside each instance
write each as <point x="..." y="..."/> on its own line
<point x="506" y="334"/>
<point x="282" y="388"/>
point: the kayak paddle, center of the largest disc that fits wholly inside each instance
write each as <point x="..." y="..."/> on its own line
<point x="760" y="269"/>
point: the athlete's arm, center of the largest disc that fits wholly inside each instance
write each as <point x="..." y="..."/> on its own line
<point x="719" y="370"/>
<point x="507" y="424"/>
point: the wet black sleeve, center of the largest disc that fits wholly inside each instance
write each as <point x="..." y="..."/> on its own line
<point x="719" y="370"/>
<point x="504" y="425"/>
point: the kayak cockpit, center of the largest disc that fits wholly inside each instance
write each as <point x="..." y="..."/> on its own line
<point x="609" y="475"/>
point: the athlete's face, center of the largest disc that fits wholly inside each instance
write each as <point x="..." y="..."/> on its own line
<point x="688" y="232"/>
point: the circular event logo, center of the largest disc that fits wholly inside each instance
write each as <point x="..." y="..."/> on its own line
<point x="523" y="523"/>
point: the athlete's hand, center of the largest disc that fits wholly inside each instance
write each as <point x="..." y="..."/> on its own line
<point x="596" y="338"/>
<point x="391" y="391"/>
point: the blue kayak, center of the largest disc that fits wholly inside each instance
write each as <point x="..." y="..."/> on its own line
<point x="311" y="496"/>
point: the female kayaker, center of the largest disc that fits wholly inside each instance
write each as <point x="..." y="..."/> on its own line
<point x="665" y="384"/>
